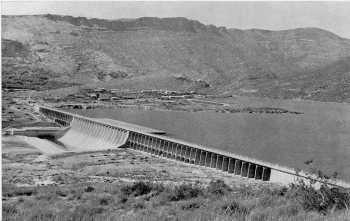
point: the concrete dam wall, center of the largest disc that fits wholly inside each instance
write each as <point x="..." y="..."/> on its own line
<point x="90" y="136"/>
<point x="90" y="133"/>
<point x="85" y="134"/>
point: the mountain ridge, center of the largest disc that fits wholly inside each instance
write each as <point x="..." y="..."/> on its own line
<point x="99" y="51"/>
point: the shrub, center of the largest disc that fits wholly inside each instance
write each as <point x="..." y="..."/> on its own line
<point x="137" y="189"/>
<point x="183" y="192"/>
<point x="218" y="187"/>
<point x="123" y="199"/>
<point x="191" y="205"/>
<point x="42" y="214"/>
<point x="260" y="215"/>
<point x="9" y="209"/>
<point x="105" y="200"/>
<point x="323" y="200"/>
<point x="75" y="194"/>
<point x="267" y="200"/>
<point x="288" y="210"/>
<point x="235" y="207"/>
<point x="9" y="190"/>
<point x="86" y="211"/>
<point x="89" y="189"/>
<point x="139" y="205"/>
<point x="50" y="193"/>
<point x="248" y="191"/>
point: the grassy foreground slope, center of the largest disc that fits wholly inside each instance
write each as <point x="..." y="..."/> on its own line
<point x="123" y="184"/>
<point x="307" y="63"/>
<point x="148" y="201"/>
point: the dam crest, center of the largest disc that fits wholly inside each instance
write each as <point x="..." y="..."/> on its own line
<point x="96" y="134"/>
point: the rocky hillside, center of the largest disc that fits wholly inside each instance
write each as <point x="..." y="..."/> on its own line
<point x="305" y="63"/>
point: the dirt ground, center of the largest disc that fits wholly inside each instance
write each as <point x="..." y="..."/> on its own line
<point x="25" y="165"/>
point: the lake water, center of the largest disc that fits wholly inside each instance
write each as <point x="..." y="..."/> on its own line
<point x="284" y="139"/>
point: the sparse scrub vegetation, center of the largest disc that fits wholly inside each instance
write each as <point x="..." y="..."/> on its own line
<point x="156" y="201"/>
<point x="323" y="200"/>
<point x="218" y="187"/>
<point x="137" y="189"/>
<point x="183" y="192"/>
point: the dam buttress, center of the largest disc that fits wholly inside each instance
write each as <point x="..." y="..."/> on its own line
<point x="90" y="133"/>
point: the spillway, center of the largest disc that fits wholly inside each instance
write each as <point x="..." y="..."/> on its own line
<point x="94" y="134"/>
<point x="87" y="135"/>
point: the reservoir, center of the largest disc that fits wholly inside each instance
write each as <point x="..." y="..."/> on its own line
<point x="321" y="140"/>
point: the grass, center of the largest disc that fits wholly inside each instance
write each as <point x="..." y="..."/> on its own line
<point x="156" y="201"/>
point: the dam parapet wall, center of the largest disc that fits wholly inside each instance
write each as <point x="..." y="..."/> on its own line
<point x="113" y="134"/>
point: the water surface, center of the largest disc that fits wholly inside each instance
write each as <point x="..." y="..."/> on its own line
<point x="284" y="139"/>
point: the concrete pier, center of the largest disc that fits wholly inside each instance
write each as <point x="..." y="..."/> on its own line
<point x="88" y="132"/>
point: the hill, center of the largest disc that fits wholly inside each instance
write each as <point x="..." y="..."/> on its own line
<point x="174" y="53"/>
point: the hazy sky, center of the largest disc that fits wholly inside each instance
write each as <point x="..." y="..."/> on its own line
<point x="332" y="16"/>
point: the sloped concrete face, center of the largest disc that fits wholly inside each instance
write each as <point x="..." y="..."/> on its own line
<point x="85" y="135"/>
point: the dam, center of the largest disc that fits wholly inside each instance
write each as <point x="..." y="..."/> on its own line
<point x="91" y="133"/>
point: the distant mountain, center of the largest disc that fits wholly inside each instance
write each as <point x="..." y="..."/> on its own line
<point x="176" y="53"/>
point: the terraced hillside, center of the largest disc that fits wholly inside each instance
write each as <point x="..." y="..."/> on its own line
<point x="173" y="53"/>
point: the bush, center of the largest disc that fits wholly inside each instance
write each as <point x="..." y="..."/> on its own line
<point x="76" y="193"/>
<point x="86" y="211"/>
<point x="139" y="205"/>
<point x="234" y="208"/>
<point x="288" y="210"/>
<point x="323" y="200"/>
<point x="137" y="189"/>
<point x="123" y="199"/>
<point x="89" y="189"/>
<point x="42" y="214"/>
<point x="9" y="190"/>
<point x="9" y="209"/>
<point x="218" y="187"/>
<point x="246" y="191"/>
<point x="184" y="192"/>
<point x="267" y="200"/>
<point x="105" y="200"/>
<point x="260" y="215"/>
<point x="191" y="205"/>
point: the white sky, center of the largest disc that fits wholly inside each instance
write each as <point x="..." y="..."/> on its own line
<point x="332" y="16"/>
